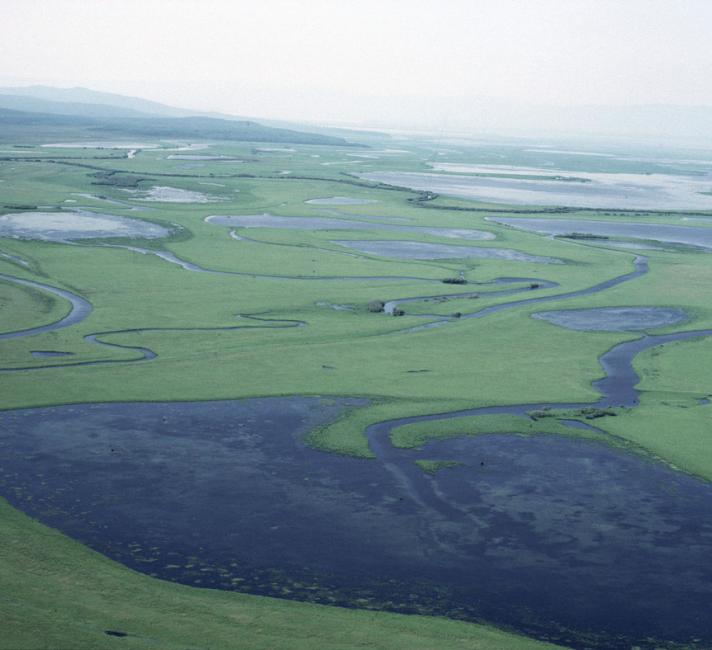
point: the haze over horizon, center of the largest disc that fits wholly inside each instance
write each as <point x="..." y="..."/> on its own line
<point x="510" y="65"/>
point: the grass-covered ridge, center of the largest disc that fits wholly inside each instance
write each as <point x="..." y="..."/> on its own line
<point x="157" y="127"/>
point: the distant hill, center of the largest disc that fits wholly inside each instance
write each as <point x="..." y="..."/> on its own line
<point x="36" y="105"/>
<point x="79" y="95"/>
<point x="206" y="128"/>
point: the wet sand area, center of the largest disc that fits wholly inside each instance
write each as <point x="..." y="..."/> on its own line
<point x="552" y="536"/>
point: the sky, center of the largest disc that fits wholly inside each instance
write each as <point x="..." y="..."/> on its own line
<point x="366" y="61"/>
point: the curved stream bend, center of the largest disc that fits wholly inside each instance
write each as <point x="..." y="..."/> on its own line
<point x="146" y="354"/>
<point x="81" y="308"/>
<point x="617" y="389"/>
<point x="641" y="268"/>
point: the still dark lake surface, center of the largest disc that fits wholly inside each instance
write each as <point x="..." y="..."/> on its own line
<point x="560" y="538"/>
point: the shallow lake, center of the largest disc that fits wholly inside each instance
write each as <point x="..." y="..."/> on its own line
<point x="631" y="191"/>
<point x="688" y="235"/>
<point x="614" y="319"/>
<point x="79" y="224"/>
<point x="556" y="537"/>
<point x="412" y="250"/>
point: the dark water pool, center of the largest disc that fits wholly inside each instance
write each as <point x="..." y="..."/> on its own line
<point x="559" y="538"/>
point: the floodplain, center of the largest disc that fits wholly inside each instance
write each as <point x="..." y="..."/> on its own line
<point x="295" y="400"/>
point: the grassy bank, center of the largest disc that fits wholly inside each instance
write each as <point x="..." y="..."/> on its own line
<point x="59" y="595"/>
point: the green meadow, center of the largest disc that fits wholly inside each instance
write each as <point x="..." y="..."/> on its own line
<point x="266" y="325"/>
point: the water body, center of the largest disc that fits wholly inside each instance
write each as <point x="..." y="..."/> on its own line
<point x="614" y="191"/>
<point x="614" y="319"/>
<point x="634" y="622"/>
<point x="80" y="224"/>
<point x="412" y="250"/>
<point x="276" y="149"/>
<point x="689" y="235"/>
<point x="190" y="266"/>
<point x="15" y="258"/>
<point x="641" y="268"/>
<point x="322" y="223"/>
<point x="106" y="199"/>
<point x="80" y="308"/>
<point x="340" y="200"/>
<point x="535" y="284"/>
<point x="584" y="558"/>
<point x="552" y="536"/>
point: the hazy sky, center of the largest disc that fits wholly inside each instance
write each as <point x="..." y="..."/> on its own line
<point x="364" y="59"/>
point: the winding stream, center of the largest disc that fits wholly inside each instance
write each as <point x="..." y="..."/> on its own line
<point x="551" y="536"/>
<point x="80" y="308"/>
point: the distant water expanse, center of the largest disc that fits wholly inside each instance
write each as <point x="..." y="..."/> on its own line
<point x="598" y="190"/>
<point x="700" y="237"/>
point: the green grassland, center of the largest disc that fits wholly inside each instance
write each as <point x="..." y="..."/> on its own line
<point x="434" y="466"/>
<point x="29" y="308"/>
<point x="418" y="433"/>
<point x="210" y="346"/>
